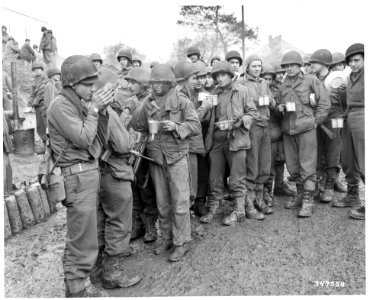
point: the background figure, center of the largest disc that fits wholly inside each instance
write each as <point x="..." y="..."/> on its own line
<point x="27" y="53"/>
<point x="5" y="37"/>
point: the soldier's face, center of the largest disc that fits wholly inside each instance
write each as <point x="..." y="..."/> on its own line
<point x="279" y="77"/>
<point x="209" y="80"/>
<point x="200" y="81"/>
<point x="56" y="77"/>
<point x="215" y="61"/>
<point x="37" y="71"/>
<point x="4" y="29"/>
<point x="223" y="79"/>
<point x="136" y="64"/>
<point x="84" y="91"/>
<point x="134" y="87"/>
<point x="356" y="62"/>
<point x="268" y="78"/>
<point x="316" y="67"/>
<point x="292" y="69"/>
<point x="97" y="63"/>
<point x="123" y="62"/>
<point x="190" y="82"/>
<point x="254" y="68"/>
<point x="235" y="64"/>
<point x="307" y="68"/>
<point x="338" y="67"/>
<point x="193" y="58"/>
<point x="160" y="88"/>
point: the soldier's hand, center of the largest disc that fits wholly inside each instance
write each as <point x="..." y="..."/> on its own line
<point x="342" y="88"/>
<point x="281" y="107"/>
<point x="237" y="122"/>
<point x="169" y="125"/>
<point x="101" y="99"/>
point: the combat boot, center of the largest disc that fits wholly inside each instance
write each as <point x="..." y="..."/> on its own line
<point x="76" y="289"/>
<point x="260" y="203"/>
<point x="320" y="185"/>
<point x="150" y="230"/>
<point x="339" y="187"/>
<point x="250" y="211"/>
<point x="327" y="195"/>
<point x="97" y="270"/>
<point x="352" y="198"/>
<point x="238" y="213"/>
<point x="179" y="252"/>
<point x="199" y="207"/>
<point x="268" y="196"/>
<point x="307" y="205"/>
<point x="358" y="214"/>
<point x="114" y="276"/>
<point x="213" y="206"/>
<point x="295" y="201"/>
<point x="162" y="246"/>
<point x="282" y="189"/>
<point x="138" y="229"/>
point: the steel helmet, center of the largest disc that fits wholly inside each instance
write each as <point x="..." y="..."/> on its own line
<point x="201" y="68"/>
<point x="338" y="58"/>
<point x="222" y="66"/>
<point x="96" y="56"/>
<point x="193" y="50"/>
<point x="136" y="58"/>
<point x="291" y="57"/>
<point x="306" y="58"/>
<point x="214" y="58"/>
<point x="234" y="54"/>
<point x="139" y="75"/>
<point x="209" y="70"/>
<point x="77" y="68"/>
<point x="124" y="53"/>
<point x="52" y="71"/>
<point x="183" y="70"/>
<point x="154" y="63"/>
<point x="37" y="66"/>
<point x="279" y="69"/>
<point x="268" y="71"/>
<point x="357" y="48"/>
<point x="162" y="73"/>
<point x="322" y="56"/>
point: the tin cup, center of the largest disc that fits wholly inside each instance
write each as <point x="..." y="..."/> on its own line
<point x="290" y="106"/>
<point x="266" y="100"/>
<point x="340" y="123"/>
<point x="313" y="100"/>
<point x="261" y="101"/>
<point x="334" y="123"/>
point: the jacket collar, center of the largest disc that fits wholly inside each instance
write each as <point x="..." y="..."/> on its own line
<point x="71" y="95"/>
<point x="354" y="79"/>
<point x="172" y="100"/>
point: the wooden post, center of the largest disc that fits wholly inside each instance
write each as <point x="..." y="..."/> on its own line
<point x="243" y="34"/>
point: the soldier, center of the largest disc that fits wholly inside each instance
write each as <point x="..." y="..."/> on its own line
<point x="122" y="93"/>
<point x="307" y="69"/>
<point x="43" y="38"/>
<point x="185" y="74"/>
<point x="259" y="155"/>
<point x="12" y="52"/>
<point x="27" y="52"/>
<point x="136" y="61"/>
<point x="78" y="126"/>
<point x="328" y="148"/>
<point x="210" y="83"/>
<point x="169" y="149"/>
<point x="144" y="205"/>
<point x="214" y="59"/>
<point x="5" y="36"/>
<point x="300" y="120"/>
<point x="279" y="79"/>
<point x="193" y="54"/>
<point x="7" y="92"/>
<point x="228" y="145"/>
<point x="36" y="99"/>
<point x="114" y="206"/>
<point x="353" y="146"/>
<point x="97" y="60"/>
<point x="277" y="148"/>
<point x="339" y="62"/>
<point x="234" y="58"/>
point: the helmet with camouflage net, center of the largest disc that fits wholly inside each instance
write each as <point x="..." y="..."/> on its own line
<point x="139" y="75"/>
<point x="77" y="68"/>
<point x="222" y="67"/>
<point x="162" y="73"/>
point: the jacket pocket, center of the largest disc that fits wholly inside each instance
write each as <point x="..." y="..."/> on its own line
<point x="303" y="95"/>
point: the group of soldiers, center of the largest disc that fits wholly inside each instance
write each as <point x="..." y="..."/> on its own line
<point x="155" y="145"/>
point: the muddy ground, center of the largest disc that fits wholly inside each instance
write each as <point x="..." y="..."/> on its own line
<point x="282" y="255"/>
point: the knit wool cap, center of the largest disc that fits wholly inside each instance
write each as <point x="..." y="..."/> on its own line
<point x="251" y="58"/>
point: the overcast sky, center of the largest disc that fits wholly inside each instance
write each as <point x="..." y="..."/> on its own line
<point x="84" y="27"/>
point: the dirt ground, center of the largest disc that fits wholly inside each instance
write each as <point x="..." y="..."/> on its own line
<point x="282" y="255"/>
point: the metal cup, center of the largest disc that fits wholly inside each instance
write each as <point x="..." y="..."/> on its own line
<point x="334" y="123"/>
<point x="266" y="100"/>
<point x="153" y="126"/>
<point x="202" y="96"/>
<point x="214" y="100"/>
<point x="290" y="106"/>
<point x="340" y="123"/>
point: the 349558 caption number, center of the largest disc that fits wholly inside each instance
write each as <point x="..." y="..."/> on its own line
<point x="327" y="283"/>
